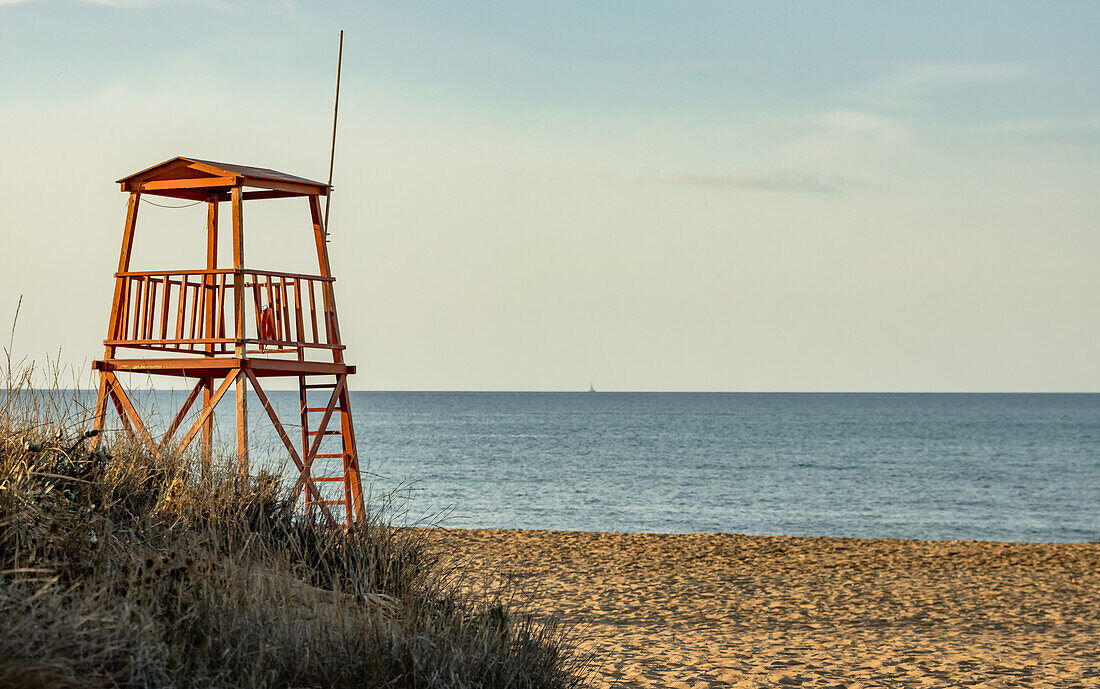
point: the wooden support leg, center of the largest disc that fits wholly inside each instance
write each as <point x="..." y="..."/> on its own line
<point x="242" y="424"/>
<point x="99" y="419"/>
<point x="303" y="400"/>
<point x="353" y="483"/>
<point x="207" y="429"/>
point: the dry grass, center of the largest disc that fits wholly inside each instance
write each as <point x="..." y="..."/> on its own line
<point x="121" y="570"/>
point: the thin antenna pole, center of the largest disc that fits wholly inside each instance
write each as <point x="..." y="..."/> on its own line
<point x="335" y="112"/>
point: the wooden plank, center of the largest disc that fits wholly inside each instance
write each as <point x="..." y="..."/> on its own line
<point x="291" y="345"/>
<point x="206" y="456"/>
<point x="165" y="300"/>
<point x="313" y="310"/>
<point x="320" y="236"/>
<point x="221" y="311"/>
<point x="99" y="416"/>
<point x="207" y="410"/>
<point x="181" y="309"/>
<point x="242" y="425"/>
<point x="193" y="183"/>
<point x="238" y="275"/>
<point x="210" y="280"/>
<point x="150" y="307"/>
<point x="208" y="169"/>
<point x="115" y="326"/>
<point x="182" y="194"/>
<point x="134" y="417"/>
<point x="287" y="276"/>
<point x="202" y="302"/>
<point x="271" y="305"/>
<point x="138" y="292"/>
<point x="353" y="481"/>
<point x="194" y="312"/>
<point x="290" y="187"/>
<point x="311" y="488"/>
<point x="121" y="412"/>
<point x="212" y="314"/>
<point x="184" y="273"/>
<point x="299" y="335"/>
<point x="284" y="302"/>
<point x="198" y="366"/>
<point x="303" y="401"/>
<point x="258" y="309"/>
<point x="170" y="341"/>
<point x="123" y="325"/>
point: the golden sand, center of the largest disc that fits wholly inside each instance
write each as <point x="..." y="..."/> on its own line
<point x="720" y="610"/>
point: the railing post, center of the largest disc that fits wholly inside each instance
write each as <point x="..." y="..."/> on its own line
<point x="209" y="280"/>
<point x="238" y="274"/>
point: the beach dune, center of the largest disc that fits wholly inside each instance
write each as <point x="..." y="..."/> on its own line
<point x="721" y="610"/>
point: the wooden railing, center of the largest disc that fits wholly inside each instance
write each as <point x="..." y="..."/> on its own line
<point x="194" y="312"/>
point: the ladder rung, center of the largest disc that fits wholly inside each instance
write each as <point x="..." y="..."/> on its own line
<point x="308" y="409"/>
<point x="323" y="432"/>
<point x="333" y="502"/>
<point x="319" y="386"/>
<point x="317" y="479"/>
<point x="328" y="456"/>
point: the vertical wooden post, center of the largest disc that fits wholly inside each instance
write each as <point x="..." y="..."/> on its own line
<point x="113" y="324"/>
<point x="207" y="429"/>
<point x="99" y="420"/>
<point x="212" y="318"/>
<point x="209" y="281"/>
<point x="114" y="321"/>
<point x="303" y="401"/>
<point x="332" y="327"/>
<point x="238" y="329"/>
<point x="351" y="459"/>
<point x="238" y="273"/>
<point x="242" y="424"/>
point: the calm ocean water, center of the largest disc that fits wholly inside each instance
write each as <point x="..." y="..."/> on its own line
<point x="1018" y="467"/>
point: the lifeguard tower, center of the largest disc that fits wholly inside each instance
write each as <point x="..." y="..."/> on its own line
<point x="234" y="327"/>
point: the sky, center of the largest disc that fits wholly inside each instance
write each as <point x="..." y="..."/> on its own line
<point x="705" y="196"/>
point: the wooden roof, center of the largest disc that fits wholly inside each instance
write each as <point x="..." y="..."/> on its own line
<point x="194" y="178"/>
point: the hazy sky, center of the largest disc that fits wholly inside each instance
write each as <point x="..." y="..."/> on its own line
<point x="645" y="196"/>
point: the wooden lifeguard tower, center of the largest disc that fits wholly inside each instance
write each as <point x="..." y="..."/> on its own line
<point x="234" y="327"/>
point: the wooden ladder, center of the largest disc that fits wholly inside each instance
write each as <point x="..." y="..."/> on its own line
<point x="333" y="466"/>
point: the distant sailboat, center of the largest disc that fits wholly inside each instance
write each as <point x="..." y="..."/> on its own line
<point x="591" y="388"/>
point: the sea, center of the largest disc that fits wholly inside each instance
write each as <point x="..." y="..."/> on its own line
<point x="1003" y="467"/>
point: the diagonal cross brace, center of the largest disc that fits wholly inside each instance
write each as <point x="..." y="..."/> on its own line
<point x="179" y="417"/>
<point x="128" y="413"/>
<point x="303" y="468"/>
<point x="321" y="428"/>
<point x="207" y="410"/>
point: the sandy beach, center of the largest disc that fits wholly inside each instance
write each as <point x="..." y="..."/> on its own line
<point x="720" y="610"/>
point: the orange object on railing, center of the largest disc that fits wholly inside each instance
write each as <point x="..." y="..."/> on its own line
<point x="267" y="324"/>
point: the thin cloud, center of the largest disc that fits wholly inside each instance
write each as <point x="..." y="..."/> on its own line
<point x="915" y="85"/>
<point x="791" y="183"/>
